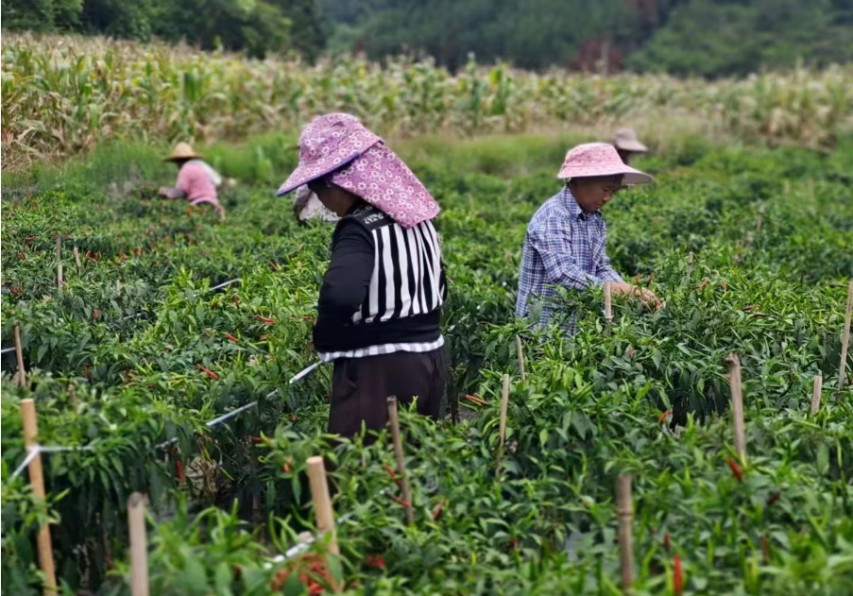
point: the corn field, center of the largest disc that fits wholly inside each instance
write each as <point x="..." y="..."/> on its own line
<point x="62" y="95"/>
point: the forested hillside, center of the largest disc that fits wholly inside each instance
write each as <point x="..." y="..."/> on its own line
<point x="703" y="37"/>
<point x="710" y="38"/>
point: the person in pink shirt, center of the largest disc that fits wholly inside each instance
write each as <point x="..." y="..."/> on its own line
<point x="197" y="181"/>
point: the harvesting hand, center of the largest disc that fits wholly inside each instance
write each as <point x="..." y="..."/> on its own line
<point x="643" y="294"/>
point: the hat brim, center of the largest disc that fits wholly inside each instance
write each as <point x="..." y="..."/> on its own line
<point x="182" y="157"/>
<point x="305" y="174"/>
<point x="629" y="174"/>
<point x="632" y="146"/>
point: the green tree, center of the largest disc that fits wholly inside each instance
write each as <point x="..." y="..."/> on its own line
<point x="41" y="15"/>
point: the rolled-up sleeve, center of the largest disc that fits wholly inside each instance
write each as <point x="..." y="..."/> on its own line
<point x="553" y="243"/>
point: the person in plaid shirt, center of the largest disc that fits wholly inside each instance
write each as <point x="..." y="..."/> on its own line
<point x="567" y="237"/>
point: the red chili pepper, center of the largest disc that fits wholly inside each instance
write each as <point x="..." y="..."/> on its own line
<point x="257" y="439"/>
<point x="285" y="468"/>
<point x="662" y="418"/>
<point x="179" y="470"/>
<point x="278" y="581"/>
<point x="264" y="319"/>
<point x="677" y="579"/>
<point x="293" y="418"/>
<point x="29" y="239"/>
<point x="377" y="561"/>
<point x="236" y="300"/>
<point x="436" y="513"/>
<point x="666" y="541"/>
<point x="772" y="499"/>
<point x="87" y="372"/>
<point x="513" y="543"/>
<point x="736" y="470"/>
<point x="750" y="307"/>
<point x="231" y="337"/>
<point x="702" y="285"/>
<point x="630" y="351"/>
<point x="400" y="501"/>
<point x="475" y="399"/>
<point x="22" y="256"/>
<point x="96" y="314"/>
<point x="208" y="372"/>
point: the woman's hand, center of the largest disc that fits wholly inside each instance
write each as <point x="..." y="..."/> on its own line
<point x="644" y="294"/>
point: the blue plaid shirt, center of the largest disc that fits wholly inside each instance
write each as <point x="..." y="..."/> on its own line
<point x="564" y="247"/>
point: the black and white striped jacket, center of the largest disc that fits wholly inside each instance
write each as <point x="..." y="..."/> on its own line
<point x="384" y="288"/>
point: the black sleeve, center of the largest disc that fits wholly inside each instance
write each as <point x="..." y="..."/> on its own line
<point x="346" y="282"/>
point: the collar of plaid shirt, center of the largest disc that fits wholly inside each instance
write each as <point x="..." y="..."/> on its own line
<point x="575" y="210"/>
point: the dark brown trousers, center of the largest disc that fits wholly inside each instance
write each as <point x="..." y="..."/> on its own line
<point x="361" y="386"/>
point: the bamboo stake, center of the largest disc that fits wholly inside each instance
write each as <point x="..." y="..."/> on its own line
<point x="737" y="405"/>
<point x="845" y="340"/>
<point x="689" y="269"/>
<point x="322" y="502"/>
<point x="138" y="545"/>
<point x="59" y="261"/>
<point x="323" y="508"/>
<point x="608" y="303"/>
<point x="520" y="351"/>
<point x="625" y="513"/>
<point x="818" y="385"/>
<point x="394" y="419"/>
<point x="28" y="418"/>
<point x="76" y="257"/>
<point x="22" y="374"/>
<point x="504" y="407"/>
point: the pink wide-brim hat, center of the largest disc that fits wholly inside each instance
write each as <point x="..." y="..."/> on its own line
<point x="599" y="159"/>
<point x="359" y="162"/>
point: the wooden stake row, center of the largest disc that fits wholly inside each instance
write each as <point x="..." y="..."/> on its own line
<point x="608" y="304"/>
<point x="502" y="423"/>
<point x="36" y="473"/>
<point x="59" y="262"/>
<point x="845" y="338"/>
<point x="394" y="420"/>
<point x="625" y="516"/>
<point x="519" y="350"/>
<point x="737" y="405"/>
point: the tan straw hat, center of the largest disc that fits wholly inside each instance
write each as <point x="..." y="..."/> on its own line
<point x="182" y="151"/>
<point x="626" y="140"/>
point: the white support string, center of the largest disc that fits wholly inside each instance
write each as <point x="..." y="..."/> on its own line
<point x="228" y="415"/>
<point x="145" y="312"/>
<point x="34" y="450"/>
<point x="224" y="284"/>
<point x="305" y="544"/>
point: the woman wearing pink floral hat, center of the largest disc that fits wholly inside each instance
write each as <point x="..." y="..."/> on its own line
<point x="566" y="243"/>
<point x="379" y="310"/>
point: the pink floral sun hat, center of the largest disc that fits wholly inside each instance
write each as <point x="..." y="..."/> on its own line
<point x="359" y="162"/>
<point x="599" y="159"/>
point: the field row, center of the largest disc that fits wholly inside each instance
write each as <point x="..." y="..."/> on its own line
<point x="767" y="281"/>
